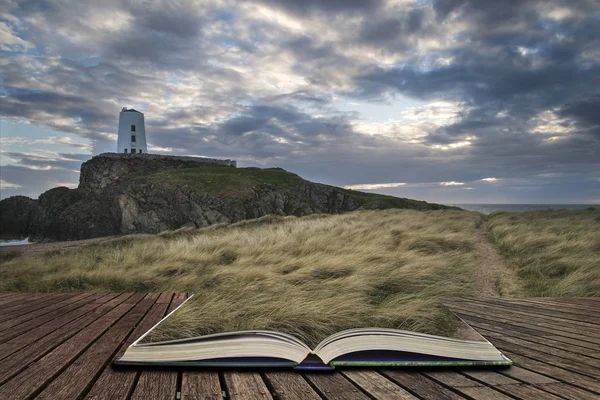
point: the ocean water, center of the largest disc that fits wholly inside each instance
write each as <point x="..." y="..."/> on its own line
<point x="14" y="242"/>
<point x="490" y="208"/>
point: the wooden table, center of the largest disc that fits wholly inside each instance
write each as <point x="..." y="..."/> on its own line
<point x="60" y="346"/>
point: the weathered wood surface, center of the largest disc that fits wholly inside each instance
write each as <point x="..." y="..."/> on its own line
<point x="61" y="346"/>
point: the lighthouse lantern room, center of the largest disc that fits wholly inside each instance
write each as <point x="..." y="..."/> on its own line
<point x="132" y="133"/>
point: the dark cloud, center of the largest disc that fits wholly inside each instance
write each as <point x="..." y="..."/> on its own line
<point x="327" y="6"/>
<point x="226" y="80"/>
<point x="585" y="112"/>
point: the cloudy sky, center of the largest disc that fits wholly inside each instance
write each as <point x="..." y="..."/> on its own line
<point x="452" y="101"/>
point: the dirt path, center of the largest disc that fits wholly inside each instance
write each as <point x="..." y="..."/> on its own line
<point x="494" y="278"/>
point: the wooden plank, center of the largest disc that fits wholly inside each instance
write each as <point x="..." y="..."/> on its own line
<point x="524" y="313"/>
<point x="19" y="319"/>
<point x="545" y="310"/>
<point x="527" y="312"/>
<point x="74" y="380"/>
<point x="201" y="385"/>
<point x="484" y="393"/>
<point x="482" y="311"/>
<point x="451" y="378"/>
<point x="36" y="376"/>
<point x="490" y="377"/>
<point x="567" y="391"/>
<point x="547" y="340"/>
<point x="88" y="304"/>
<point x="468" y="386"/>
<point x="18" y="361"/>
<point x="289" y="385"/>
<point x="420" y="385"/>
<point x="152" y="378"/>
<point x="19" y="299"/>
<point x="547" y="358"/>
<point x="377" y="385"/>
<point x="27" y="302"/>
<point x="526" y="376"/>
<point x="196" y="384"/>
<point x="30" y="306"/>
<point x="178" y="298"/>
<point x="118" y="382"/>
<point x="334" y="386"/>
<point x="161" y="384"/>
<point x="246" y="386"/>
<point x="564" y="357"/>
<point x="555" y="372"/>
<point x="561" y="336"/>
<point x="27" y="326"/>
<point x="574" y="300"/>
<point x="12" y="298"/>
<point x="551" y="303"/>
<point x="527" y="392"/>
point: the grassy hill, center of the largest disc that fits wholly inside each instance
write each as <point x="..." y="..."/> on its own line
<point x="236" y="182"/>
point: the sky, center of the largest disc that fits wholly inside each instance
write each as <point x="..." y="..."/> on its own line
<point x="450" y="101"/>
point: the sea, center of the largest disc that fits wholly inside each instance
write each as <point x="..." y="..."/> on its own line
<point x="14" y="242"/>
<point x="490" y="208"/>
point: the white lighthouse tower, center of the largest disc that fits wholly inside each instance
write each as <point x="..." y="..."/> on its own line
<point x="132" y="133"/>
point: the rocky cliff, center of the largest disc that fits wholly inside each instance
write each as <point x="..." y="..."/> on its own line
<point x="123" y="194"/>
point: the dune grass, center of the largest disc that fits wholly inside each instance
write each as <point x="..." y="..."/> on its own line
<point x="555" y="253"/>
<point x="309" y="276"/>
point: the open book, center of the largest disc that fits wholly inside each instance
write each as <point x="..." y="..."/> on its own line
<point x="352" y="347"/>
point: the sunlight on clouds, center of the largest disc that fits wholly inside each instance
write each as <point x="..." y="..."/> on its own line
<point x="70" y="185"/>
<point x="8" y="185"/>
<point x="455" y="145"/>
<point x="415" y="123"/>
<point x="489" y="179"/>
<point x="451" y="183"/>
<point x="10" y="42"/>
<point x="264" y="13"/>
<point x="391" y="129"/>
<point x="374" y="186"/>
<point x="154" y="148"/>
<point x="549" y="123"/>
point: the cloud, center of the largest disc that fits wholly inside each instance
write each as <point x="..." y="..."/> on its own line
<point x="451" y="183"/>
<point x="374" y="186"/>
<point x="489" y="179"/>
<point x="8" y="185"/>
<point x="449" y="90"/>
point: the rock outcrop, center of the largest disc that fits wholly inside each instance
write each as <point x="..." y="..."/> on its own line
<point x="19" y="215"/>
<point x="112" y="200"/>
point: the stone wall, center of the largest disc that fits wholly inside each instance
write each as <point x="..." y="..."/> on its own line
<point x="197" y="160"/>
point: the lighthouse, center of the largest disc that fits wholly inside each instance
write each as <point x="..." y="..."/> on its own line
<point x="132" y="134"/>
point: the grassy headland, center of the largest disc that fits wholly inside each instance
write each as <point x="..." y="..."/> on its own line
<point x="555" y="253"/>
<point x="237" y="182"/>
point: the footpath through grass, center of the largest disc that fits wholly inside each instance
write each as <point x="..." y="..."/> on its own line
<point x="554" y="253"/>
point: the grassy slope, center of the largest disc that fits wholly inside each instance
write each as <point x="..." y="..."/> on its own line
<point x="309" y="276"/>
<point x="233" y="182"/>
<point x="555" y="253"/>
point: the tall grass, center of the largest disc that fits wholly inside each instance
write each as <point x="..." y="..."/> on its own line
<point x="309" y="276"/>
<point x="555" y="253"/>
